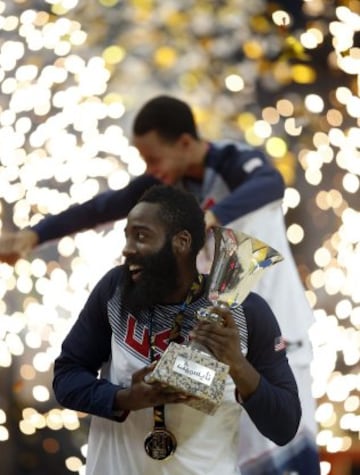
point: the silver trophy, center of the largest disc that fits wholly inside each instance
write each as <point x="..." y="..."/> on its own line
<point x="238" y="264"/>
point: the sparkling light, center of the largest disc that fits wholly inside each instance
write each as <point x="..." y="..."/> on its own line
<point x="69" y="90"/>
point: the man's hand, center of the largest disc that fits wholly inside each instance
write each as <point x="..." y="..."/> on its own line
<point x="222" y="340"/>
<point x="142" y="394"/>
<point x="13" y="246"/>
<point x="210" y="220"/>
<point x="224" y="343"/>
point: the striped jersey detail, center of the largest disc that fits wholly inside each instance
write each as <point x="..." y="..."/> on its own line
<point x="131" y="332"/>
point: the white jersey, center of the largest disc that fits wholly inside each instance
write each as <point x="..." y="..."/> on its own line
<point x="206" y="445"/>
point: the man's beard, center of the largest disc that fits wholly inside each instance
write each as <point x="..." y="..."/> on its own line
<point x="157" y="281"/>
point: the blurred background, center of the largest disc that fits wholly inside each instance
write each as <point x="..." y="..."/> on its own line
<point x="284" y="76"/>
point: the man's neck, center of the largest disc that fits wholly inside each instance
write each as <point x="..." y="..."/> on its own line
<point x="196" y="164"/>
<point x="185" y="288"/>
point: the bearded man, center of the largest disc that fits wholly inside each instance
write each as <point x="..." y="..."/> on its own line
<point x="126" y="325"/>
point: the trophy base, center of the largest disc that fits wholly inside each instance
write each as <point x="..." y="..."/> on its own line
<point x="194" y="373"/>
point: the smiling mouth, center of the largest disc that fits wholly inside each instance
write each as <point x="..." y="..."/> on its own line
<point x="135" y="272"/>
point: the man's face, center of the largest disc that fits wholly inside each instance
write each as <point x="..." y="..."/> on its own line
<point x="150" y="266"/>
<point x="165" y="161"/>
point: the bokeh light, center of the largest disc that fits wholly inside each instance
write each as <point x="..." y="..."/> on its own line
<point x="72" y="75"/>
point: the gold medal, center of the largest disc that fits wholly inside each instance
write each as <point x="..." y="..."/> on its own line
<point x="160" y="444"/>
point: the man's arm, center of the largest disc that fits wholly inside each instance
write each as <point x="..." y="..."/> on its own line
<point x="276" y="397"/>
<point x="252" y="179"/>
<point x="85" y="350"/>
<point x="17" y="244"/>
<point x="264" y="380"/>
<point x="105" y="207"/>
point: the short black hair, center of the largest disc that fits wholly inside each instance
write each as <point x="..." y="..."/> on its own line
<point x="168" y="116"/>
<point x="179" y="210"/>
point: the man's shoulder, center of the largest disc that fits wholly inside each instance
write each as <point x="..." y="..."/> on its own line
<point x="254" y="300"/>
<point x="232" y="149"/>
<point x="114" y="272"/>
<point x="111" y="279"/>
<point x="256" y="307"/>
<point x="258" y="313"/>
<point x="227" y="145"/>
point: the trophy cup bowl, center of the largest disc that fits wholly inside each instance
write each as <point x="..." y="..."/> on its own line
<point x="238" y="264"/>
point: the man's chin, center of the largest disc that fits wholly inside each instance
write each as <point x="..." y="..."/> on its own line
<point x="144" y="294"/>
<point x="168" y="180"/>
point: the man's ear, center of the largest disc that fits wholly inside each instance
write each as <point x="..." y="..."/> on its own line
<point x="185" y="140"/>
<point x="181" y="242"/>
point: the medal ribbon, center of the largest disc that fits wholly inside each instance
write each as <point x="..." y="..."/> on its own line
<point x="196" y="286"/>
